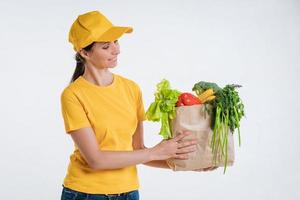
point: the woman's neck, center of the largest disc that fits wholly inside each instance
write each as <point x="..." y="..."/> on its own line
<point x="101" y="77"/>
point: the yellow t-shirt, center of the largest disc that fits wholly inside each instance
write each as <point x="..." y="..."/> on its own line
<point x="113" y="112"/>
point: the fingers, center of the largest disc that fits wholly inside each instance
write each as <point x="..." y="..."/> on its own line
<point x="181" y="156"/>
<point x="181" y="144"/>
<point x="181" y="136"/>
<point x="187" y="143"/>
<point x="184" y="148"/>
<point x="188" y="149"/>
<point x="185" y="153"/>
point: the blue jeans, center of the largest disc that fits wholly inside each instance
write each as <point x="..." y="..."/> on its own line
<point x="68" y="194"/>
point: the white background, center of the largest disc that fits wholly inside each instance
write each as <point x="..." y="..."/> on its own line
<point x="254" y="43"/>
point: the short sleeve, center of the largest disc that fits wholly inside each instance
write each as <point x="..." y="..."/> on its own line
<point x="140" y="106"/>
<point x="73" y="113"/>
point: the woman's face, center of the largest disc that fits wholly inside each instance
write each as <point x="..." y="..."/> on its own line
<point x="103" y="54"/>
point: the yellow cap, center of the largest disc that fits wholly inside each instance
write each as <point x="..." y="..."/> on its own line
<point x="94" y="27"/>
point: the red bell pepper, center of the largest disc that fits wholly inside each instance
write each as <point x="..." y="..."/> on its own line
<point x="187" y="99"/>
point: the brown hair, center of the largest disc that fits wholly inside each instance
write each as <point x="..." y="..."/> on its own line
<point x="80" y="61"/>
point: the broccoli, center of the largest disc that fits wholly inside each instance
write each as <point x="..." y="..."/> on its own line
<point x="202" y="86"/>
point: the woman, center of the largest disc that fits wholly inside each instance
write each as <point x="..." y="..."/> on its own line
<point x="103" y="112"/>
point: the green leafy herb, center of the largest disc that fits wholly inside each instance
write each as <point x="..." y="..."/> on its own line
<point x="228" y="112"/>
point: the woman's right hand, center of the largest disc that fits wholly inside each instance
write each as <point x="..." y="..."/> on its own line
<point x="174" y="148"/>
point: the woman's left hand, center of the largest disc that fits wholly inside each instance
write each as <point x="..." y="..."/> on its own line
<point x="206" y="169"/>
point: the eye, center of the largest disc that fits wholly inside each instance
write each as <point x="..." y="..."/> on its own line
<point x="107" y="46"/>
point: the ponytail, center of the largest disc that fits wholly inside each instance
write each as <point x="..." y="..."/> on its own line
<point x="80" y="63"/>
<point x="79" y="70"/>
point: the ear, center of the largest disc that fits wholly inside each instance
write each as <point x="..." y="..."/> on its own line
<point x="84" y="54"/>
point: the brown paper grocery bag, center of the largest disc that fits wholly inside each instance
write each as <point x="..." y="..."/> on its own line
<point x="196" y="119"/>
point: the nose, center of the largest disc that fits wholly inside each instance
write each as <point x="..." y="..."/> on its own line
<point x="115" y="48"/>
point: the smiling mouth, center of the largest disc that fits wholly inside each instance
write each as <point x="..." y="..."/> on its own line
<point x="113" y="59"/>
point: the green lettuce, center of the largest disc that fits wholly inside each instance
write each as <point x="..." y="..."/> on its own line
<point x="163" y="108"/>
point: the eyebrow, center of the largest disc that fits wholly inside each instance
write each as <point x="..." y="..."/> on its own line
<point x="104" y="43"/>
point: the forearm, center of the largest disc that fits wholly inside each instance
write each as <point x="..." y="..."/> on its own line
<point x="121" y="159"/>
<point x="158" y="164"/>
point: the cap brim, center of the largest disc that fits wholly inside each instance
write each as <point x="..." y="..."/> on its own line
<point x="114" y="33"/>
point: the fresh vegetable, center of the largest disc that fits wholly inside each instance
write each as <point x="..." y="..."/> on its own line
<point x="223" y="104"/>
<point x="187" y="99"/>
<point x="229" y="110"/>
<point x="226" y="110"/>
<point x="163" y="108"/>
<point x="202" y="86"/>
<point x="179" y="103"/>
<point x="210" y="98"/>
<point x="206" y="94"/>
